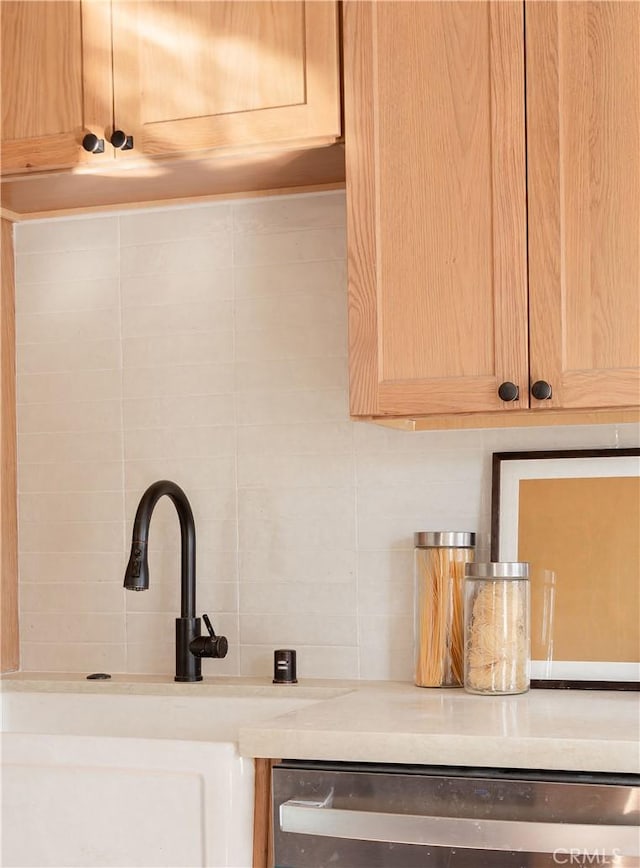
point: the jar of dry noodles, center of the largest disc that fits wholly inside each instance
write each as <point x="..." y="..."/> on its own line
<point x="496" y="632"/>
<point x="440" y="558"/>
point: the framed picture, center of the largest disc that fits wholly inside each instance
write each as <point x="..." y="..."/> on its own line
<point x="574" y="515"/>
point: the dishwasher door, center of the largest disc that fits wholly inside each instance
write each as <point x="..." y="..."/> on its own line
<point x="361" y="816"/>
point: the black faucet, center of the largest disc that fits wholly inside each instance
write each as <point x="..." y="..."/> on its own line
<point x="190" y="645"/>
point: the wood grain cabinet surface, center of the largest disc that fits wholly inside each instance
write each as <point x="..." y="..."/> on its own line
<point x="56" y="82"/>
<point x="196" y="75"/>
<point x="177" y="76"/>
<point x="486" y="246"/>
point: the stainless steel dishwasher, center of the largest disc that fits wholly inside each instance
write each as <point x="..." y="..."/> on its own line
<point x="385" y="816"/>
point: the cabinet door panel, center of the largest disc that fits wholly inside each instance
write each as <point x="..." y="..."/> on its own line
<point x="583" y="90"/>
<point x="56" y="82"/>
<point x="436" y="205"/>
<point x="190" y="75"/>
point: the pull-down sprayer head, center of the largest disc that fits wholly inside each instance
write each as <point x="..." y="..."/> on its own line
<point x="136" y="577"/>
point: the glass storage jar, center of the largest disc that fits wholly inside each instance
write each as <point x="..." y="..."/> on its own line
<point x="440" y="558"/>
<point x="496" y="628"/>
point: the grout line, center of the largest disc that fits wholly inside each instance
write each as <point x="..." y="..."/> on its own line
<point x="122" y="443"/>
<point x="357" y="548"/>
<point x="235" y="435"/>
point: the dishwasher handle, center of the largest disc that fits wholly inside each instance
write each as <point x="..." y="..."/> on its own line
<point x="315" y="818"/>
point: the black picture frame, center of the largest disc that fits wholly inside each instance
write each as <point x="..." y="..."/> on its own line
<point x="499" y="462"/>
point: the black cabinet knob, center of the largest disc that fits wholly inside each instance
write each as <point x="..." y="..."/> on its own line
<point x="121" y="140"/>
<point x="541" y="390"/>
<point x="93" y="144"/>
<point x="508" y="391"/>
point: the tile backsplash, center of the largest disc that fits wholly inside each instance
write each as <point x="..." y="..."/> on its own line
<point x="208" y="345"/>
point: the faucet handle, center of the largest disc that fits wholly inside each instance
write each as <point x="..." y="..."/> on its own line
<point x="211" y="645"/>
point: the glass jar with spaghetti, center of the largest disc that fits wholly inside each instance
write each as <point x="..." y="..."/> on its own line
<point x="440" y="558"/>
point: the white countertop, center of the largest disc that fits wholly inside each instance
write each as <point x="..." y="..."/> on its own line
<point x="393" y="722"/>
<point x="399" y="723"/>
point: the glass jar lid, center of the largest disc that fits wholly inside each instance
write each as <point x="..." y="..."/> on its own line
<point x="444" y="539"/>
<point x="497" y="570"/>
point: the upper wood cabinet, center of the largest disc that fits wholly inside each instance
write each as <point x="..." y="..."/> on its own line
<point x="175" y="76"/>
<point x="435" y="161"/>
<point x="445" y="302"/>
<point x="583" y="107"/>
<point x="194" y="75"/>
<point x="56" y="82"/>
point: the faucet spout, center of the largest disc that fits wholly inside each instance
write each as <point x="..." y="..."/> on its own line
<point x="136" y="577"/>
<point x="190" y="645"/>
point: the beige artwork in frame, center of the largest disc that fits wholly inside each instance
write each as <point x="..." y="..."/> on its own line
<point x="575" y="517"/>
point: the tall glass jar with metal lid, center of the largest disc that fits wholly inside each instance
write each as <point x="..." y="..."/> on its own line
<point x="496" y="628"/>
<point x="440" y="558"/>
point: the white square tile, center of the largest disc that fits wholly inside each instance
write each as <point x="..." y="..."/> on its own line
<point x="66" y="567"/>
<point x="282" y="343"/>
<point x="390" y="599"/>
<point x="65" y="387"/>
<point x="555" y="437"/>
<point x="45" y="507"/>
<point x="68" y="356"/>
<point x="175" y="319"/>
<point x="162" y="351"/>
<point x="68" y="326"/>
<point x="316" y="470"/>
<point x="175" y="411"/>
<point x="288" y="598"/>
<point x="70" y="446"/>
<point x="283" y="213"/>
<point x="71" y="476"/>
<point x="300" y="246"/>
<point x="275" y="280"/>
<point x="321" y="438"/>
<point x="314" y="506"/>
<point x="66" y="266"/>
<point x="388" y="632"/>
<point x="302" y="374"/>
<point x="72" y="536"/>
<point x="72" y="657"/>
<point x="52" y="627"/>
<point x="150" y="227"/>
<point x="157" y="443"/>
<point x="181" y="257"/>
<point x="67" y="295"/>
<point x="88" y="233"/>
<point x="284" y="407"/>
<point x="378" y="664"/>
<point x="78" y="416"/>
<point x="183" y="380"/>
<point x="214" y="284"/>
<point x="294" y="565"/>
<point x="284" y="630"/>
<point x="304" y="309"/>
<point x="83" y="598"/>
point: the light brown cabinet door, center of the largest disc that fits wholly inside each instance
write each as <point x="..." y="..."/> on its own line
<point x="583" y="104"/>
<point x="56" y="82"/>
<point x="193" y="75"/>
<point x="435" y="150"/>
